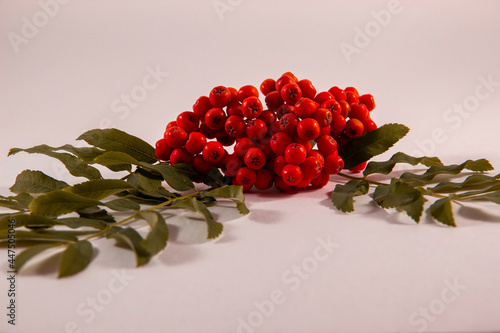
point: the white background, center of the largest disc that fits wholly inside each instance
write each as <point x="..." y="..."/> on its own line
<point x="429" y="56"/>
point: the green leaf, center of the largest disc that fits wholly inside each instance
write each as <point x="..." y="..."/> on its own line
<point x="75" y="166"/>
<point x="454" y="169"/>
<point x="86" y="154"/>
<point x="133" y="240"/>
<point x="36" y="182"/>
<point x="75" y="258"/>
<point x="214" y="228"/>
<point x="23" y="220"/>
<point x="472" y="182"/>
<point x="116" y="161"/>
<point x="112" y="139"/>
<point x="122" y="204"/>
<point x="401" y="196"/>
<point x="232" y="192"/>
<point x="387" y="166"/>
<point x="57" y="203"/>
<point x="49" y="235"/>
<point x="442" y="212"/>
<point x="96" y="213"/>
<point x="79" y="222"/>
<point x="342" y="196"/>
<point x="23" y="198"/>
<point x="172" y="176"/>
<point x="99" y="188"/>
<point x="146" y="182"/>
<point x="156" y="239"/>
<point x="371" y="144"/>
<point x="12" y="205"/>
<point x="26" y="255"/>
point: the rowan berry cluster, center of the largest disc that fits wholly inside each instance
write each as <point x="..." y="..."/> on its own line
<point x="272" y="145"/>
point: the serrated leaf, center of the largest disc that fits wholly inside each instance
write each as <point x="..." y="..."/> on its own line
<point x="75" y="166"/>
<point x="23" y="198"/>
<point x="171" y="175"/>
<point x="371" y="144"/>
<point x="96" y="213"/>
<point x="454" y="169"/>
<point x="122" y="204"/>
<point x="342" y="196"/>
<point x="30" y="181"/>
<point x="12" y="205"/>
<point x="28" y="254"/>
<point x="22" y="220"/>
<point x="387" y="166"/>
<point x="116" y="160"/>
<point x="235" y="193"/>
<point x="157" y="238"/>
<point x="146" y="180"/>
<point x="442" y="212"/>
<point x="472" y="182"/>
<point x="133" y="240"/>
<point x="214" y="228"/>
<point x="47" y="235"/>
<point x="57" y="203"/>
<point x="112" y="139"/>
<point x="491" y="196"/>
<point x="75" y="258"/>
<point x="401" y="196"/>
<point x="86" y="154"/>
<point x="99" y="188"/>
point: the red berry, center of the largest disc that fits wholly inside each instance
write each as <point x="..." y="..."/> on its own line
<point x="220" y="96"/>
<point x="213" y="152"/>
<point x="304" y="182"/>
<point x="305" y="107"/>
<point x="346" y="108"/>
<point x="279" y="142"/>
<point x="206" y="131"/>
<point x="338" y="93"/>
<point x="368" y="101"/>
<point x="358" y="111"/>
<point x="274" y="100"/>
<point x="284" y="109"/>
<point x="323" y="97"/>
<point x="256" y="129"/>
<point x="353" y="128"/>
<point x="311" y="168"/>
<point x="333" y="106"/>
<point x="321" y="180"/>
<point x="308" y="90"/>
<point x="358" y="168"/>
<point x="180" y="155"/>
<point x="306" y="143"/>
<point x="323" y="117"/>
<point x="199" y="164"/>
<point x="251" y="107"/>
<point x="163" y="150"/>
<point x="337" y="125"/>
<point x="295" y="153"/>
<point x="267" y="86"/>
<point x="327" y="145"/>
<point x="265" y="180"/>
<point x="247" y="91"/>
<point x="195" y="142"/>
<point x="369" y="125"/>
<point x="292" y="174"/>
<point x="234" y="94"/>
<point x="279" y="164"/>
<point x="308" y="129"/>
<point x="176" y="136"/>
<point x="280" y="184"/>
<point x="268" y="117"/>
<point x="333" y="164"/>
<point x="188" y="121"/>
<point x="242" y="145"/>
<point x="255" y="158"/>
<point x="317" y="155"/>
<point x="290" y="74"/>
<point x="283" y="81"/>
<point x="201" y="106"/>
<point x="246" y="188"/>
<point x="234" y="109"/>
<point x="325" y="130"/>
<point x="246" y="176"/>
<point x="289" y="122"/>
<point x="224" y="138"/>
<point x="235" y="126"/>
<point x="215" y="118"/>
<point x="351" y="89"/>
<point x="352" y="97"/>
<point x="291" y="93"/>
<point x="231" y="164"/>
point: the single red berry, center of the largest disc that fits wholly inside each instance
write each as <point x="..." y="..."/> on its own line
<point x="255" y="158"/>
<point x="231" y="164"/>
<point x="290" y="74"/>
<point x="280" y="184"/>
<point x="274" y="100"/>
<point x="289" y="122"/>
<point x="337" y="125"/>
<point x="323" y="97"/>
<point x="317" y="155"/>
<point x="295" y="153"/>
<point x="247" y="91"/>
<point x="224" y="138"/>
<point x="188" y="121"/>
<point x="235" y="126"/>
<point x="207" y="132"/>
<point x="220" y="96"/>
<point x="213" y="152"/>
<point x="338" y="93"/>
<point x="358" y="168"/>
<point x="200" y="165"/>
<point x="359" y="111"/>
<point x="333" y="164"/>
<point x="242" y="145"/>
<point x="308" y="90"/>
<point x="176" y="136"/>
<point x="291" y="93"/>
<point x="171" y="124"/>
<point x="305" y="107"/>
<point x="308" y="129"/>
<point x="311" y="168"/>
<point x="369" y="125"/>
<point x="215" y="118"/>
<point x="332" y="105"/>
<point x="351" y="89"/>
<point x="234" y="109"/>
<point x="321" y="180"/>
<point x="265" y="179"/>
<point x="325" y="130"/>
<point x="201" y="106"/>
<point x="323" y="117"/>
<point x="246" y="176"/>
<point x="256" y="129"/>
<point x="346" y="108"/>
<point x="267" y="116"/>
<point x="264" y="144"/>
<point x="163" y="150"/>
<point x="251" y="107"/>
<point x="283" y="81"/>
<point x="368" y="101"/>
<point x="278" y="164"/>
<point x="195" y="142"/>
<point x="352" y="97"/>
<point x="354" y="128"/>
<point x="267" y="86"/>
<point x="284" y="109"/>
<point x="234" y="94"/>
<point x="180" y="155"/>
<point x="304" y="182"/>
<point x="275" y="127"/>
<point x="279" y="142"/>
<point x="343" y="140"/>
<point x="246" y="188"/>
<point x="306" y="143"/>
<point x="327" y="145"/>
<point x="292" y="174"/>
